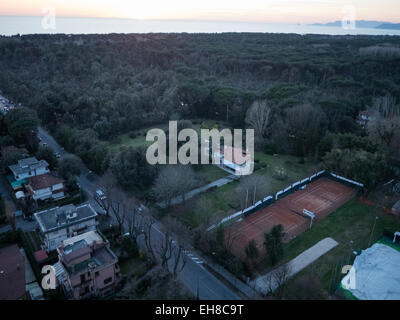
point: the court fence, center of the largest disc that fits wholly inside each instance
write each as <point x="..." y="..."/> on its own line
<point x="267" y="201"/>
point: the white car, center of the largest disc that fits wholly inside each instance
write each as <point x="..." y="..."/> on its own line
<point x="100" y="195"/>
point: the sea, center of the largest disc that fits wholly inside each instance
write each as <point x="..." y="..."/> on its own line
<point x="13" y="25"/>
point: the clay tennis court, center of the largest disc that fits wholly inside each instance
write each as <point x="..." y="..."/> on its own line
<point x="320" y="197"/>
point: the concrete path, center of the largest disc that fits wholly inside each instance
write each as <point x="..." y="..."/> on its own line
<point x="271" y="280"/>
<point x="194" y="192"/>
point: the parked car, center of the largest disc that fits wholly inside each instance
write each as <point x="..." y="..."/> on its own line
<point x="100" y="195"/>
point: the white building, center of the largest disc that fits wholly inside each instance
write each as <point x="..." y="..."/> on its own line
<point x="29" y="167"/>
<point x="60" y="223"/>
<point x="234" y="160"/>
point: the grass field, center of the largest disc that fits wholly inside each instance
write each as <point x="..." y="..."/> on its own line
<point x="351" y="226"/>
<point x="210" y="173"/>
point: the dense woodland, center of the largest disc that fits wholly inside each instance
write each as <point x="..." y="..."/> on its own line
<point x="88" y="89"/>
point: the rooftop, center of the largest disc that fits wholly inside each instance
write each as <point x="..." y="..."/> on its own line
<point x="89" y="244"/>
<point x="43" y="181"/>
<point x="88" y="237"/>
<point x="12" y="273"/>
<point x="61" y="217"/>
<point x="235" y="155"/>
<point x="28" y="164"/>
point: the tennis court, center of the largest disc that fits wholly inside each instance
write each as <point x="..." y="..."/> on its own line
<point x="320" y="197"/>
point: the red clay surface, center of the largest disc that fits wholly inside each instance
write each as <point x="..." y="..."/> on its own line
<point x="320" y="197"/>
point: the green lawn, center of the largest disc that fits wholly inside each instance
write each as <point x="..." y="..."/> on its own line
<point x="352" y="222"/>
<point x="210" y="173"/>
<point x="209" y="207"/>
<point x="294" y="170"/>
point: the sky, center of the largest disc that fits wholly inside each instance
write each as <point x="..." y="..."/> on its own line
<point x="274" y="11"/>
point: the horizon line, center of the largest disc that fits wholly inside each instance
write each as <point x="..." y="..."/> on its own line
<point x="189" y="20"/>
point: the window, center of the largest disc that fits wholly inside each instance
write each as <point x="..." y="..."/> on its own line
<point x="108" y="280"/>
<point x="82" y="278"/>
<point x="96" y="274"/>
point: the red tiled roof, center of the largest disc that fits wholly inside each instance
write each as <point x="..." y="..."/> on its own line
<point x="235" y="155"/>
<point x="12" y="273"/>
<point x="43" y="181"/>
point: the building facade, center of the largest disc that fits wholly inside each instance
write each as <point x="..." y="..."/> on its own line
<point x="29" y="167"/>
<point x="45" y="186"/>
<point x="60" y="223"/>
<point x="87" y="267"/>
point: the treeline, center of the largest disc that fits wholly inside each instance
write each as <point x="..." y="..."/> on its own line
<point x="88" y="89"/>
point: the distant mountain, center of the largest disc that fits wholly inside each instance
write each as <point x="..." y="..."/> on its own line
<point x="389" y="26"/>
<point x="359" y="24"/>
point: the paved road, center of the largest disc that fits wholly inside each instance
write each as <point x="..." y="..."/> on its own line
<point x="194" y="276"/>
<point x="269" y="282"/>
<point x="87" y="185"/>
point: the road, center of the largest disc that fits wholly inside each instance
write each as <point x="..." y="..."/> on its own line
<point x="194" y="276"/>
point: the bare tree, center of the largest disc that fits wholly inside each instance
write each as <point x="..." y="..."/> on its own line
<point x="252" y="189"/>
<point x="274" y="282"/>
<point x="173" y="181"/>
<point x="385" y="130"/>
<point x="180" y="258"/>
<point x="117" y="201"/>
<point x="259" y="117"/>
<point x="133" y="219"/>
<point x="178" y="246"/>
<point x="108" y="184"/>
<point x="281" y="275"/>
<point x="386" y="106"/>
<point x="146" y="229"/>
<point x="165" y="249"/>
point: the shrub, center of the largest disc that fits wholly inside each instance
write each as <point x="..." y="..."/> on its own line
<point x="132" y="135"/>
<point x="280" y="174"/>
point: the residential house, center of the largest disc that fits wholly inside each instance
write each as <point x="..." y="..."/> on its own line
<point x="364" y="117"/>
<point x="12" y="274"/>
<point x="87" y="267"/>
<point x="60" y="223"/>
<point x="234" y="160"/>
<point x="45" y="186"/>
<point x="29" y="167"/>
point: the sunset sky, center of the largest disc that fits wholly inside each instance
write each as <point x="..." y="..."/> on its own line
<point x="289" y="11"/>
